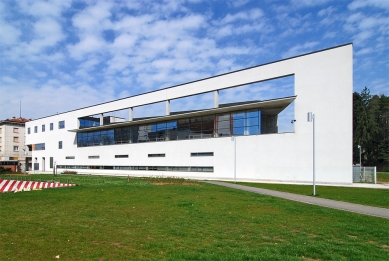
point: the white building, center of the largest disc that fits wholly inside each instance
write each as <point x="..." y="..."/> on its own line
<point x="12" y="143"/>
<point x="198" y="144"/>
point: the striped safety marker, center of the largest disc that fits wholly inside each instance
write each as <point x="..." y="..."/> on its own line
<point x="18" y="185"/>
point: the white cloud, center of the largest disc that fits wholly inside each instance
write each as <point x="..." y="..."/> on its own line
<point x="308" y="3"/>
<point x="44" y="8"/>
<point x="365" y="3"/>
<point x="253" y="14"/>
<point x="9" y="34"/>
<point x="88" y="44"/>
<point x="299" y="49"/>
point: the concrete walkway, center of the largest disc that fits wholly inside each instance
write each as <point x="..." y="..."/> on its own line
<point x="361" y="209"/>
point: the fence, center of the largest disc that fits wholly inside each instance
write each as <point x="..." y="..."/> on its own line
<point x="364" y="174"/>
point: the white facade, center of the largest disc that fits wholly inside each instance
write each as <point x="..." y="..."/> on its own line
<point x="323" y="85"/>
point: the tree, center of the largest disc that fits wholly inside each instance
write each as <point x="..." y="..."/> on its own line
<point x="371" y="129"/>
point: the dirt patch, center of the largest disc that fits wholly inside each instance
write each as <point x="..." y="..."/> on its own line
<point x="174" y="183"/>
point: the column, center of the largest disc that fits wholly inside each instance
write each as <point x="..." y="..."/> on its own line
<point x="130" y="114"/>
<point x="216" y="99"/>
<point x="167" y="107"/>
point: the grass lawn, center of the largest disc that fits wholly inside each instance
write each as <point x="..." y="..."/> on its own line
<point x="107" y="218"/>
<point x="363" y="196"/>
<point x="382" y="177"/>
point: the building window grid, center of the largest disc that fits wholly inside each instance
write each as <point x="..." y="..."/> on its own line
<point x="219" y="125"/>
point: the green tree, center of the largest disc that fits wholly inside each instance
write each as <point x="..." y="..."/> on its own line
<point x="371" y="129"/>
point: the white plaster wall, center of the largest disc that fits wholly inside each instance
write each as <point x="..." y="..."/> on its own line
<point x="323" y="85"/>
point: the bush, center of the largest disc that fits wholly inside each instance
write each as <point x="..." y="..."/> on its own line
<point x="69" y="172"/>
<point x="5" y="170"/>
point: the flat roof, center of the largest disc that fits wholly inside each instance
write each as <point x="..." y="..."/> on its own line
<point x="269" y="107"/>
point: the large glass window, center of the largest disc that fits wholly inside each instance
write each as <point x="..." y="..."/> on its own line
<point x="86" y="122"/>
<point x="39" y="146"/>
<point x="227" y="124"/>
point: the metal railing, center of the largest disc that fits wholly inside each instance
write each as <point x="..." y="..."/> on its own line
<point x="364" y="174"/>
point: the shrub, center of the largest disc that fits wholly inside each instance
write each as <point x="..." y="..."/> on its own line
<point x="69" y="172"/>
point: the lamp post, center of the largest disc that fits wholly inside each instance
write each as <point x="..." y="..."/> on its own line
<point x="360" y="158"/>
<point x="311" y="118"/>
<point x="233" y="138"/>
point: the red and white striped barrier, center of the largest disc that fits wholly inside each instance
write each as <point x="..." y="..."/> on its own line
<point x="20" y="185"/>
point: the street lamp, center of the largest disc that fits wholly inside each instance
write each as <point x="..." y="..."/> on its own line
<point x="360" y="158"/>
<point x="233" y="138"/>
<point x="311" y="118"/>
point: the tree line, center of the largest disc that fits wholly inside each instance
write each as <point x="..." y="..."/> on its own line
<point x="371" y="129"/>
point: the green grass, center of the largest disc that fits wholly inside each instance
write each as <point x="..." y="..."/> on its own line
<point x="107" y="218"/>
<point x="363" y="196"/>
<point x="382" y="177"/>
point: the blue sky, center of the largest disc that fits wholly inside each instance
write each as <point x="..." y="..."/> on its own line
<point x="62" y="55"/>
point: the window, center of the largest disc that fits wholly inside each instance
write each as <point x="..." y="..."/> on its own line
<point x="16" y="130"/>
<point x="201" y="154"/>
<point x="94" y="157"/>
<point x="39" y="146"/>
<point x="156" y="155"/>
<point x="70" y="157"/>
<point x="51" y="126"/>
<point x="16" y="139"/>
<point x="59" y="144"/>
<point x="61" y="125"/>
<point x="16" y="148"/>
<point x="246" y="122"/>
<point x="43" y="128"/>
<point x="35" y="129"/>
<point x="51" y="162"/>
<point x="1" y="130"/>
<point x="121" y="156"/>
<point x="28" y="130"/>
<point x="13" y="158"/>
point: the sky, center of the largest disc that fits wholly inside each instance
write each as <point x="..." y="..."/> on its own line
<point x="60" y="55"/>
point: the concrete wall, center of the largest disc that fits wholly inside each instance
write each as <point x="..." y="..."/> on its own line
<point x="323" y="85"/>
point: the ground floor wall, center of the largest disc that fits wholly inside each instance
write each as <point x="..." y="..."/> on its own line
<point x="285" y="157"/>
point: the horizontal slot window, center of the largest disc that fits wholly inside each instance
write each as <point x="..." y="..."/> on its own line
<point x="156" y="155"/>
<point x="94" y="157"/>
<point x="121" y="156"/>
<point x="201" y="154"/>
<point x="70" y="157"/>
<point x="143" y="168"/>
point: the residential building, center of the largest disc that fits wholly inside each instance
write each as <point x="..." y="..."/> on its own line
<point x="13" y="150"/>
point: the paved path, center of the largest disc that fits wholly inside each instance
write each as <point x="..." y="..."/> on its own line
<point x="372" y="211"/>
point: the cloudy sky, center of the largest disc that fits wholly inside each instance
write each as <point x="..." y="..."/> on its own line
<point x="60" y="55"/>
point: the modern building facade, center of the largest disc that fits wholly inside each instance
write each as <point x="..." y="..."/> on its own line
<point x="13" y="151"/>
<point x="229" y="141"/>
